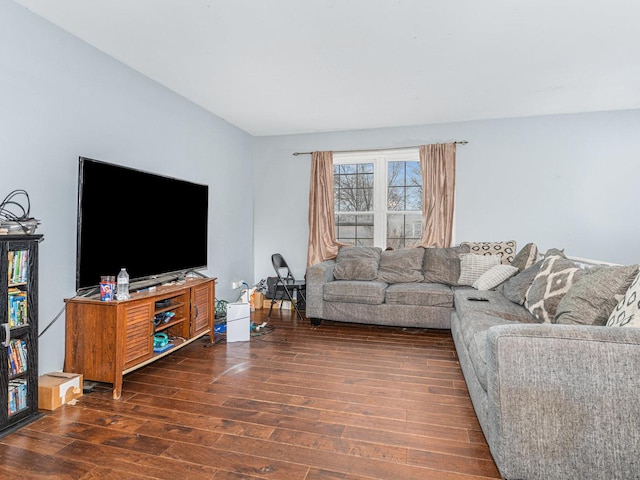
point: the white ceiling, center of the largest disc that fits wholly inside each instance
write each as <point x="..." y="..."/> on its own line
<point x="276" y="67"/>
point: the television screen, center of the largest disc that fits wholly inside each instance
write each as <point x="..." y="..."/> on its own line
<point x="150" y="224"/>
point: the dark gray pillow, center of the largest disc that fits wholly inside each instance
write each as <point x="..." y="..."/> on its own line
<point x="442" y="265"/>
<point x="526" y="257"/>
<point x="515" y="289"/>
<point x="592" y="299"/>
<point x="357" y="263"/>
<point x="401" y="266"/>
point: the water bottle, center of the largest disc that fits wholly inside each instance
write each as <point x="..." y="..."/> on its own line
<point x="123" y="285"/>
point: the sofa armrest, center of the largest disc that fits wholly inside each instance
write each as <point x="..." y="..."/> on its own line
<point x="563" y="401"/>
<point x="317" y="276"/>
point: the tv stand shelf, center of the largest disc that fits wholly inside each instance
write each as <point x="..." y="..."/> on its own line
<point x="107" y="340"/>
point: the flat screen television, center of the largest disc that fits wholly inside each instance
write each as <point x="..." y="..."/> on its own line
<point x="153" y="225"/>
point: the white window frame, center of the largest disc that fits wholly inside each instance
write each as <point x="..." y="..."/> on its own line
<point x="380" y="160"/>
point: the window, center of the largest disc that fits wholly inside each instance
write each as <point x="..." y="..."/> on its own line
<point x="378" y="198"/>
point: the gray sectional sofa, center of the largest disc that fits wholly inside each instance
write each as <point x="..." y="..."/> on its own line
<point x="554" y="388"/>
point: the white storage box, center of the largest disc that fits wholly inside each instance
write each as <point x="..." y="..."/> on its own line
<point x="238" y="322"/>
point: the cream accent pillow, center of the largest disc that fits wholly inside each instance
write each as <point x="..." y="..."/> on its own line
<point x="494" y="277"/>
<point x="627" y="312"/>
<point x="505" y="250"/>
<point x="472" y="267"/>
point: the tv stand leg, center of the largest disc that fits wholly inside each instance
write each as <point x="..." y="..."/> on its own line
<point x="117" y="387"/>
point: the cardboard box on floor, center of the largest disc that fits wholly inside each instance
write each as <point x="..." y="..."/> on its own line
<point x="57" y="388"/>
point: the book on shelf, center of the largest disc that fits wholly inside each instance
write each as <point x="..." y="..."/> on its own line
<point x="17" y="307"/>
<point x="18" y="270"/>
<point x="17" y="395"/>
<point x="17" y="356"/>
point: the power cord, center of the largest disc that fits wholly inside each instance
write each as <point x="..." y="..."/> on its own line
<point x="7" y="214"/>
<point x="53" y="321"/>
<point x="12" y="211"/>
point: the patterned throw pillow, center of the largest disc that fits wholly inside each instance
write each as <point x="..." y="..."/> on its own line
<point x="473" y="266"/>
<point x="627" y="312"/>
<point x="401" y="266"/>
<point x="357" y="263"/>
<point x="504" y="250"/>
<point x="556" y="276"/>
<point x="494" y="277"/>
<point x="525" y="257"/>
<point x="592" y="299"/>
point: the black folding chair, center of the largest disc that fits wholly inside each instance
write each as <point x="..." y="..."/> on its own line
<point x="286" y="285"/>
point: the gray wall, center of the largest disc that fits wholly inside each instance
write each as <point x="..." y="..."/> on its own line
<point x="565" y="181"/>
<point x="60" y="99"/>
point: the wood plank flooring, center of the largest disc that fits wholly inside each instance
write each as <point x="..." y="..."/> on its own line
<point x="336" y="402"/>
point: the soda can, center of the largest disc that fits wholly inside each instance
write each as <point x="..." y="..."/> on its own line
<point x="107" y="288"/>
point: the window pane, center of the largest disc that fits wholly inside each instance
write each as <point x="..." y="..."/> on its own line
<point x="353" y="188"/>
<point x="404" y="182"/>
<point x="395" y="227"/>
<point x="395" y="243"/>
<point x="365" y="168"/>
<point x="365" y="180"/>
<point x="364" y="199"/>
<point x="354" y="229"/>
<point x="413" y="226"/>
<point x="413" y="198"/>
<point x="396" y="173"/>
<point x="404" y="226"/>
<point x="396" y="198"/>
<point x="348" y="169"/>
<point x="414" y="176"/>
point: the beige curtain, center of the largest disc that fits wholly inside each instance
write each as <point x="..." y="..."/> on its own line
<point x="438" y="166"/>
<point x="322" y="240"/>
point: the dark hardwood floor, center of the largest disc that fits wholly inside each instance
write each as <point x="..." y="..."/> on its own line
<point x="341" y="401"/>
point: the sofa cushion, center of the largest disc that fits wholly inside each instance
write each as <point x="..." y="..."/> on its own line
<point x="401" y="266"/>
<point x="505" y="250"/>
<point x="357" y="263"/>
<point x="627" y="312"/>
<point x="426" y="294"/>
<point x="526" y="257"/>
<point x="496" y="310"/>
<point x="477" y="317"/>
<point x="442" y="265"/>
<point x="592" y="299"/>
<point x="494" y="277"/>
<point x="473" y="266"/>
<point x="556" y="276"/>
<point x="355" y="291"/>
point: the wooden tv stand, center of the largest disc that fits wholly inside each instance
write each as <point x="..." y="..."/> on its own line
<point x="107" y="340"/>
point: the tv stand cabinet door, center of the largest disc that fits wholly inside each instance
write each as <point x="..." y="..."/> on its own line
<point x="138" y="321"/>
<point x="202" y="309"/>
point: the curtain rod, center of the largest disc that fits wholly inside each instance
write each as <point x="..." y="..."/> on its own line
<point x="295" y="154"/>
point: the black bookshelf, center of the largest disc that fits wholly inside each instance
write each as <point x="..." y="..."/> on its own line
<point x="18" y="331"/>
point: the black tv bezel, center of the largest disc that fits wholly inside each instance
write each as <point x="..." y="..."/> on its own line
<point x="139" y="282"/>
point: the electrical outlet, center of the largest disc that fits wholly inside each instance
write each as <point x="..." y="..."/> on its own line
<point x="238" y="284"/>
